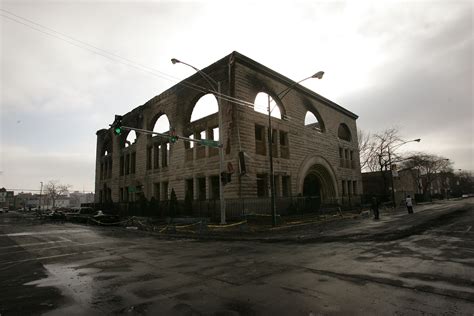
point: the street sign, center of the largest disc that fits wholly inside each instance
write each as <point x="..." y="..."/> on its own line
<point x="132" y="189"/>
<point x="209" y="142"/>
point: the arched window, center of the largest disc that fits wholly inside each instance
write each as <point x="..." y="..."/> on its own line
<point x="344" y="132"/>
<point x="131" y="139"/>
<point x="312" y="121"/>
<point x="162" y="125"/>
<point x="261" y="105"/>
<point x="205" y="106"/>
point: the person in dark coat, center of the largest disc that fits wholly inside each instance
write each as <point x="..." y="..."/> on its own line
<point x="375" y="207"/>
<point x="409" y="204"/>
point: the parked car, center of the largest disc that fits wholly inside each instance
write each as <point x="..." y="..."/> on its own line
<point x="80" y="214"/>
<point x="104" y="218"/>
<point x="56" y="215"/>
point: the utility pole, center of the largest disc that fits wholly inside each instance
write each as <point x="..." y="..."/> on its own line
<point x="41" y="193"/>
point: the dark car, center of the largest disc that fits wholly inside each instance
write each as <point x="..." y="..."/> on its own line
<point x="56" y="215"/>
<point x="80" y="214"/>
<point x="102" y="218"/>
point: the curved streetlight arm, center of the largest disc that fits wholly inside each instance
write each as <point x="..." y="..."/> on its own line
<point x="282" y="94"/>
<point x="405" y="142"/>
<point x="206" y="77"/>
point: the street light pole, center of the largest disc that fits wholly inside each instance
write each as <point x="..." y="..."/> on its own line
<point x="270" y="155"/>
<point x="391" y="171"/>
<point x="280" y="95"/>
<point x="216" y="88"/>
<point x="41" y="193"/>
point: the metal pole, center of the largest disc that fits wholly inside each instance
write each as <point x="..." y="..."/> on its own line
<point x="272" y="180"/>
<point x="221" y="155"/>
<point x="41" y="193"/>
<point x="391" y="178"/>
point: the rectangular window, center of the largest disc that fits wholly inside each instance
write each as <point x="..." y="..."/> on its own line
<point x="164" y="154"/>
<point x="165" y="191"/>
<point x="341" y="157"/>
<point x="214" y="135"/>
<point x="346" y="156"/>
<point x="262" y="187"/>
<point x="349" y="187"/>
<point x="343" y="188"/>
<point x="215" y="187"/>
<point x="201" y="182"/>
<point x="260" y="147"/>
<point x="125" y="194"/>
<point x="122" y="165"/>
<point x="156" y="156"/>
<point x="189" y="189"/>
<point x="133" y="161"/>
<point x="276" y="181"/>
<point x="284" y="148"/>
<point x="156" y="190"/>
<point x="200" y="149"/>
<point x="354" y="187"/>
<point x="121" y="194"/>
<point x="351" y="155"/>
<point x="149" y="157"/>
<point x="285" y="186"/>
<point x="274" y="143"/>
<point x="127" y="164"/>
<point x="110" y="167"/>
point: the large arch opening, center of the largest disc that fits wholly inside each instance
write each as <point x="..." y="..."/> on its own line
<point x="313" y="120"/>
<point x="312" y="193"/>
<point x="162" y="125"/>
<point x="261" y="105"/>
<point x="311" y="186"/>
<point x="318" y="187"/>
<point x="131" y="138"/>
<point x="205" y="106"/>
<point x="316" y="183"/>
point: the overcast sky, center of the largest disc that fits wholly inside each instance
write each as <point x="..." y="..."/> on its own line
<point x="404" y="64"/>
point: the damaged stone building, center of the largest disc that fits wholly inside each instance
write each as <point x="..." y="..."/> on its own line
<point x="314" y="142"/>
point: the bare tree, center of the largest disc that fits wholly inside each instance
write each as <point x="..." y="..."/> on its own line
<point x="54" y="190"/>
<point x="427" y="168"/>
<point x="378" y="150"/>
<point x="366" y="148"/>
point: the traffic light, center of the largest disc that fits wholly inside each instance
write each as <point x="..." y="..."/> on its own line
<point x="173" y="137"/>
<point x="117" y="125"/>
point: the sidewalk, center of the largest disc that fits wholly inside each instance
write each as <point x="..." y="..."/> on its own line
<point x="393" y="224"/>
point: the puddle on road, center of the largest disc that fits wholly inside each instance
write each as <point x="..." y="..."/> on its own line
<point x="75" y="284"/>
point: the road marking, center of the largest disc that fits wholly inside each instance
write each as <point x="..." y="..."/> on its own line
<point x="34" y="244"/>
<point x="60" y="231"/>
<point x="57" y="256"/>
<point x="55" y="247"/>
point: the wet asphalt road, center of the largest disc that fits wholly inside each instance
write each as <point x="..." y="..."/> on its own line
<point x="68" y="269"/>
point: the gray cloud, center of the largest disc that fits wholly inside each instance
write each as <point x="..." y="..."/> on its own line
<point x="393" y="63"/>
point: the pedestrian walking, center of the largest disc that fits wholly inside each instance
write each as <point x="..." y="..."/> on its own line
<point x="375" y="207"/>
<point x="409" y="204"/>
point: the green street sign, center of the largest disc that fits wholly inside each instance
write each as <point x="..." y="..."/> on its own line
<point x="209" y="142"/>
<point x="132" y="189"/>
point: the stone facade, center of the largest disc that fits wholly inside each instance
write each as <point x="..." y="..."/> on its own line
<point x="307" y="160"/>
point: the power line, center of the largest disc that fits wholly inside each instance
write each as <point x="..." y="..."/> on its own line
<point x="117" y="58"/>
